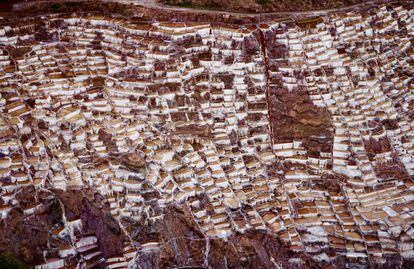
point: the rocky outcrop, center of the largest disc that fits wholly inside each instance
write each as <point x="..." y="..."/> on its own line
<point x="182" y="244"/>
<point x="295" y="117"/>
<point x="27" y="236"/>
<point x="93" y="209"/>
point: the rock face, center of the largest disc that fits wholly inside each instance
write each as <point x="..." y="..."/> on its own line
<point x="27" y="237"/>
<point x="93" y="209"/>
<point x="147" y="142"/>
<point x="183" y="245"/>
<point x="295" y="117"/>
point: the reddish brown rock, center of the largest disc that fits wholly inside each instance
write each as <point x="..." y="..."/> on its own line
<point x="295" y="117"/>
<point x="183" y="245"/>
<point x="27" y="237"/>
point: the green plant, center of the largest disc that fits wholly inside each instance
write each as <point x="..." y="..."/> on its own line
<point x="9" y="261"/>
<point x="185" y="4"/>
<point x="55" y="6"/>
<point x="263" y="2"/>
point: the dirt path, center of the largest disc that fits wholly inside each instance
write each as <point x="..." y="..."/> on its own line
<point x="155" y="4"/>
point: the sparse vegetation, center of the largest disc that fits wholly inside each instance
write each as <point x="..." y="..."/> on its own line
<point x="261" y="5"/>
<point x="55" y="6"/>
<point x="9" y="261"/>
